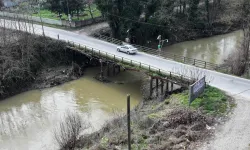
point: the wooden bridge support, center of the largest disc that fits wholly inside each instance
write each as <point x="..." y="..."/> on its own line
<point x="113" y="69"/>
<point x="151" y="87"/>
<point x="108" y="69"/>
<point x="162" y="86"/>
<point x="167" y="87"/>
<point x="157" y="86"/>
<point x="172" y="86"/>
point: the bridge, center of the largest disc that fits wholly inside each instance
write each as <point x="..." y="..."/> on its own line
<point x="228" y="83"/>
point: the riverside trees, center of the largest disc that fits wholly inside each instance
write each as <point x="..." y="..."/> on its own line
<point x="176" y="20"/>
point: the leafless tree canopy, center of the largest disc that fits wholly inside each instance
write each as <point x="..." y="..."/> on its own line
<point x="68" y="131"/>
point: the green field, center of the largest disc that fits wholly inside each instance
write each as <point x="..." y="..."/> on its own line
<point x="45" y="13"/>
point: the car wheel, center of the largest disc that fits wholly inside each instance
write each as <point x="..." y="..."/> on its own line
<point x="118" y="49"/>
<point x="128" y="52"/>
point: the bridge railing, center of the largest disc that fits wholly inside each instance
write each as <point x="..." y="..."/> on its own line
<point x="166" y="55"/>
<point x="119" y="59"/>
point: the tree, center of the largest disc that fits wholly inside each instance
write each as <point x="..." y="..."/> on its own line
<point x="1" y="4"/>
<point x="90" y="10"/>
<point x="56" y="6"/>
<point x="67" y="6"/>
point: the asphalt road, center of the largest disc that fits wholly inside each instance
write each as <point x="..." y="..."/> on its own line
<point x="231" y="136"/>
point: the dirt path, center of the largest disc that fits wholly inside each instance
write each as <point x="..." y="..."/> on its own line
<point x="235" y="133"/>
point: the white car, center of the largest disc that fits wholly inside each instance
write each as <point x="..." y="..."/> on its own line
<point x="129" y="49"/>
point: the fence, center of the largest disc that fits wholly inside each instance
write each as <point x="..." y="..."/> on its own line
<point x="118" y="59"/>
<point x="80" y="23"/>
<point x="166" y="55"/>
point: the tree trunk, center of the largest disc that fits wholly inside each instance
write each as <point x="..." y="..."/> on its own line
<point x="90" y="11"/>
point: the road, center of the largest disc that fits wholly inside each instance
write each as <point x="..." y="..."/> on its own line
<point x="232" y="135"/>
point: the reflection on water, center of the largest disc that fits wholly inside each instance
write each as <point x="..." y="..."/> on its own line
<point x="27" y="120"/>
<point x="213" y="49"/>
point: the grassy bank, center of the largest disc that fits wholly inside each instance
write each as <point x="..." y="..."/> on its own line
<point x="45" y="13"/>
<point x="162" y="125"/>
<point x="212" y="101"/>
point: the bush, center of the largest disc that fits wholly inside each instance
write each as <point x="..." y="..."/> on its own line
<point x="67" y="133"/>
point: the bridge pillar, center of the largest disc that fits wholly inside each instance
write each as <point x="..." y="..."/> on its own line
<point x="167" y="87"/>
<point x="162" y="85"/>
<point x="107" y="69"/>
<point x="172" y="86"/>
<point x="113" y="69"/>
<point x="157" y="85"/>
<point x="101" y="74"/>
<point x="151" y="87"/>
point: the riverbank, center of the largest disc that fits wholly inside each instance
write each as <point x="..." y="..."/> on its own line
<point x="36" y="62"/>
<point x="162" y="125"/>
<point x="179" y="36"/>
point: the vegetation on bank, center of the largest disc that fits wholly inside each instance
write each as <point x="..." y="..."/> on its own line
<point x="24" y="56"/>
<point x="180" y="21"/>
<point x="213" y="101"/>
<point x="161" y="125"/>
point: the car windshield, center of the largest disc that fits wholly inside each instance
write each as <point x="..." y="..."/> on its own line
<point x="130" y="47"/>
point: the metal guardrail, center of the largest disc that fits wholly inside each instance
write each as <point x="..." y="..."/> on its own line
<point x="96" y="52"/>
<point x="166" y="55"/>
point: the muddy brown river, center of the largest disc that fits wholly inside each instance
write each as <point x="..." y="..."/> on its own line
<point x="213" y="49"/>
<point x="27" y="120"/>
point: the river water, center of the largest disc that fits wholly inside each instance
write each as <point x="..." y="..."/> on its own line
<point x="213" y="49"/>
<point x="27" y="120"/>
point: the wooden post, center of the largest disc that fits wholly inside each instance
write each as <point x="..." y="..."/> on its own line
<point x="128" y="121"/>
<point x="184" y="58"/>
<point x="151" y="87"/>
<point x="205" y="65"/>
<point x="162" y="85"/>
<point x="194" y="62"/>
<point x="58" y="36"/>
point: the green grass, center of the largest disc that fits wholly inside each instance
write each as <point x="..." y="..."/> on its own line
<point x="212" y="101"/>
<point x="51" y="15"/>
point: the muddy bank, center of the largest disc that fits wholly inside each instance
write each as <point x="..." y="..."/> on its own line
<point x="34" y="62"/>
<point x="159" y="125"/>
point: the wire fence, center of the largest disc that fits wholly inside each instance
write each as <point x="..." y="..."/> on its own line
<point x="178" y="78"/>
<point x="171" y="56"/>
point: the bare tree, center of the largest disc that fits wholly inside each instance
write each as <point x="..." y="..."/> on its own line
<point x="240" y="58"/>
<point x="68" y="131"/>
